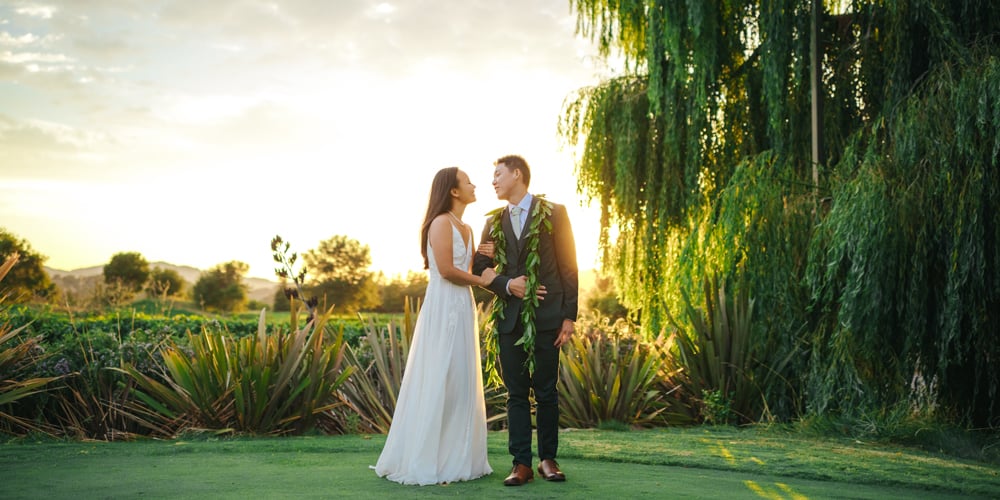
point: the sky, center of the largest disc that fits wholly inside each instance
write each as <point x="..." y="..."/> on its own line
<point x="193" y="132"/>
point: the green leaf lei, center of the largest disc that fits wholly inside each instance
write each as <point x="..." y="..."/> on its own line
<point x="539" y="217"/>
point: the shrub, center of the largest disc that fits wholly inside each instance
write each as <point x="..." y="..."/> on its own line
<point x="377" y="363"/>
<point x="18" y="357"/>
<point x="610" y="374"/>
<point x="55" y="326"/>
<point x="716" y="354"/>
<point x="89" y="404"/>
<point x="273" y="384"/>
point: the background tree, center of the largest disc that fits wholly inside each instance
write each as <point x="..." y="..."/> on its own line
<point x="127" y="270"/>
<point x="221" y="288"/>
<point x="394" y="292"/>
<point x="874" y="273"/>
<point x="27" y="280"/>
<point x="165" y="283"/>
<point x="338" y="274"/>
<point x="79" y="291"/>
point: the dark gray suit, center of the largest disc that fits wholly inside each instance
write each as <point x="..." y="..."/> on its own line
<point x="557" y="272"/>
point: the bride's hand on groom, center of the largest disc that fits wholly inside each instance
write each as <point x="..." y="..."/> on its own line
<point x="489" y="274"/>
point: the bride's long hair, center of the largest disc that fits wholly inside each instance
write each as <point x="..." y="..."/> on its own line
<point x="439" y="202"/>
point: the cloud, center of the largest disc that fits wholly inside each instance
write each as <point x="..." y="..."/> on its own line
<point x="202" y="47"/>
<point x="8" y="40"/>
<point x="36" y="10"/>
<point x="392" y="38"/>
<point x="32" y="57"/>
<point x="45" y="135"/>
<point x="35" y="149"/>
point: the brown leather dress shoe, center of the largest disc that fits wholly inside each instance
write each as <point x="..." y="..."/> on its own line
<point x="549" y="470"/>
<point x="519" y="475"/>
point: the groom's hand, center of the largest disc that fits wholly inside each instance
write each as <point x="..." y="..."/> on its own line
<point x="565" y="333"/>
<point x="518" y="286"/>
<point x="486" y="248"/>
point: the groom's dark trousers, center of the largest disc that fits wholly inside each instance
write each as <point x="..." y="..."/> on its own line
<point x="519" y="384"/>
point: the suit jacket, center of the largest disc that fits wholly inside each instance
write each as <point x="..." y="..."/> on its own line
<point x="556" y="269"/>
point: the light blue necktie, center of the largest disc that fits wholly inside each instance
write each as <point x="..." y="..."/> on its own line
<point x="515" y="219"/>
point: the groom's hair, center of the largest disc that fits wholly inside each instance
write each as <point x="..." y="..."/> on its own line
<point x="515" y="162"/>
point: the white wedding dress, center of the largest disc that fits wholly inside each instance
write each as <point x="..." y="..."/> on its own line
<point x="438" y="431"/>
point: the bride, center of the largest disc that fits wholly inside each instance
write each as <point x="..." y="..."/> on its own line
<point x="438" y="431"/>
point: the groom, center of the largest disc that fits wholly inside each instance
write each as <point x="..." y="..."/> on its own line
<point x="551" y="242"/>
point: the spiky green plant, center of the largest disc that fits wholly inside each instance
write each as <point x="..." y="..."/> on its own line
<point x="721" y="367"/>
<point x="370" y="394"/>
<point x="610" y="373"/>
<point x="377" y="364"/>
<point x="18" y="356"/>
<point x="714" y="352"/>
<point x="277" y="383"/>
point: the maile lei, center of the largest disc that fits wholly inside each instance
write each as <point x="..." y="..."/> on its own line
<point x="539" y="218"/>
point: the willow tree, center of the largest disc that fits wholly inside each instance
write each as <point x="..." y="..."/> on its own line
<point x="700" y="159"/>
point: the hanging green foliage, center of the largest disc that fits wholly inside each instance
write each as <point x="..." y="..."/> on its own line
<point x="716" y="83"/>
<point x="908" y="261"/>
<point x="700" y="157"/>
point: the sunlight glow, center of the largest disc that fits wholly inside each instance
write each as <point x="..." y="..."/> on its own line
<point x="197" y="142"/>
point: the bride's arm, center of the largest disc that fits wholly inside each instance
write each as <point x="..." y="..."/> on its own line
<point x="440" y="235"/>
<point x="489" y="274"/>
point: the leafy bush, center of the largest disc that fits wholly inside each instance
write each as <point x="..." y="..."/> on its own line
<point x="54" y="326"/>
<point x="90" y="401"/>
<point x="716" y="407"/>
<point x="603" y="298"/>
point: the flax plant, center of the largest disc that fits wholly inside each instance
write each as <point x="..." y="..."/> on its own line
<point x="272" y="384"/>
<point x="609" y="373"/>
<point x="715" y="351"/>
<point x="369" y="395"/>
<point x="717" y="355"/>
<point x="17" y="358"/>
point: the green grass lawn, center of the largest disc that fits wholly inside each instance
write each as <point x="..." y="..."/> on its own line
<point x="698" y="462"/>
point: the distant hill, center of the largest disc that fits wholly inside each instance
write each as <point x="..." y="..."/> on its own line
<point x="258" y="289"/>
